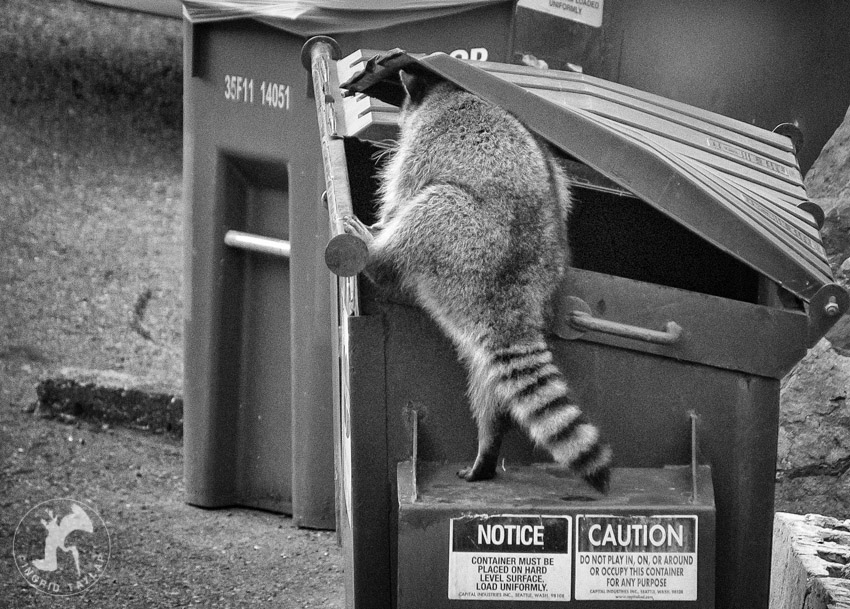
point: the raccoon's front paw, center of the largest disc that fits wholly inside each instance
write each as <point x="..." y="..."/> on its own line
<point x="353" y="226"/>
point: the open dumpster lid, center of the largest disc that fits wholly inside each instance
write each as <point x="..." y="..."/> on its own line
<point x="735" y="185"/>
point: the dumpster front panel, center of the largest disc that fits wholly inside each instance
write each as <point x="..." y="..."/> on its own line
<point x="641" y="401"/>
<point x="534" y="536"/>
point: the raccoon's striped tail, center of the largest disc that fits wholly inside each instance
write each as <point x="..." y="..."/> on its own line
<point x="532" y="389"/>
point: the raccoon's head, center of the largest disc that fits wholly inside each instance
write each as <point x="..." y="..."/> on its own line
<point x="418" y="85"/>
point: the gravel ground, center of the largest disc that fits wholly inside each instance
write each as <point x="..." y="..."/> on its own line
<point x="90" y="276"/>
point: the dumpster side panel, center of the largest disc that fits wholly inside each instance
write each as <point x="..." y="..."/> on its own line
<point x="365" y="479"/>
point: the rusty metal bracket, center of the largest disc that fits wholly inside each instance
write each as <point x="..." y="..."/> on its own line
<point x="694" y="418"/>
<point x="408" y="487"/>
<point x="825" y="308"/>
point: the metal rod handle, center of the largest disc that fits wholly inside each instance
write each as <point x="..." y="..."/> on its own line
<point x="587" y="322"/>
<point x="345" y="255"/>
<point x="257" y="243"/>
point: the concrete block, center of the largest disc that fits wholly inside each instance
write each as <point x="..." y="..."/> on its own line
<point x="810" y="563"/>
<point x="111" y="397"/>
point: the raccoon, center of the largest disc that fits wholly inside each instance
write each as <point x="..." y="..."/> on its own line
<point x="472" y="224"/>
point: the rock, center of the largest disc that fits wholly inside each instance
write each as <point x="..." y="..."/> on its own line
<point x="109" y="397"/>
<point x="836" y="233"/>
<point x="836" y="239"/>
<point x="814" y="418"/>
<point x="810" y="562"/>
<point x="829" y="176"/>
<point x="814" y="432"/>
<point x="839" y="336"/>
<point x="43" y="410"/>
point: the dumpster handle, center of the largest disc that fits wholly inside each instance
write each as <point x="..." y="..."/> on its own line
<point x="583" y="320"/>
<point x="257" y="243"/>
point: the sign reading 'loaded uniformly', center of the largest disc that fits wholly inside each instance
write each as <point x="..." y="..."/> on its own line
<point x="509" y="557"/>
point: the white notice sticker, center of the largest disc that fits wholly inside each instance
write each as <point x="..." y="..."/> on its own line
<point x="652" y="558"/>
<point x="505" y="557"/>
<point x="588" y="12"/>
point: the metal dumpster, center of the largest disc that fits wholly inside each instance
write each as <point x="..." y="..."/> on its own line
<point x="680" y="216"/>
<point x="257" y="366"/>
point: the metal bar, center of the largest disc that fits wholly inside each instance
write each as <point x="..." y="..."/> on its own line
<point x="694" y="463"/>
<point x="257" y="243"/>
<point x="585" y="321"/>
<point x="414" y="456"/>
<point x="345" y="254"/>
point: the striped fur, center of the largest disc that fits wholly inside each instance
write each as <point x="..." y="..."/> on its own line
<point x="472" y="225"/>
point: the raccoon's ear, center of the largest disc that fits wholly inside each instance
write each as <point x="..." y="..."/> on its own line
<point x="416" y="85"/>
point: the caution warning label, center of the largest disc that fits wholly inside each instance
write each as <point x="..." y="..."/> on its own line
<point x="651" y="558"/>
<point x="509" y="557"/>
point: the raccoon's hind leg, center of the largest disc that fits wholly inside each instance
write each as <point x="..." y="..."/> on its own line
<point x="490" y="433"/>
<point x="538" y="398"/>
<point x="492" y="420"/>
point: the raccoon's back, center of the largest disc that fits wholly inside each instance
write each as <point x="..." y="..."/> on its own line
<point x="457" y="138"/>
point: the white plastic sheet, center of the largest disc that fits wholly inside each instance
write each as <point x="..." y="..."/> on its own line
<point x="311" y="17"/>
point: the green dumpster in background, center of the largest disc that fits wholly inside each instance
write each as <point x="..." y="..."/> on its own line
<point x="763" y="63"/>
<point x="258" y="369"/>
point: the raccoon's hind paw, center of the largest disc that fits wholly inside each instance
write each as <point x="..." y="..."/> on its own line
<point x="471" y="474"/>
<point x="353" y="226"/>
<point x="594" y="465"/>
<point x="599" y="479"/>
